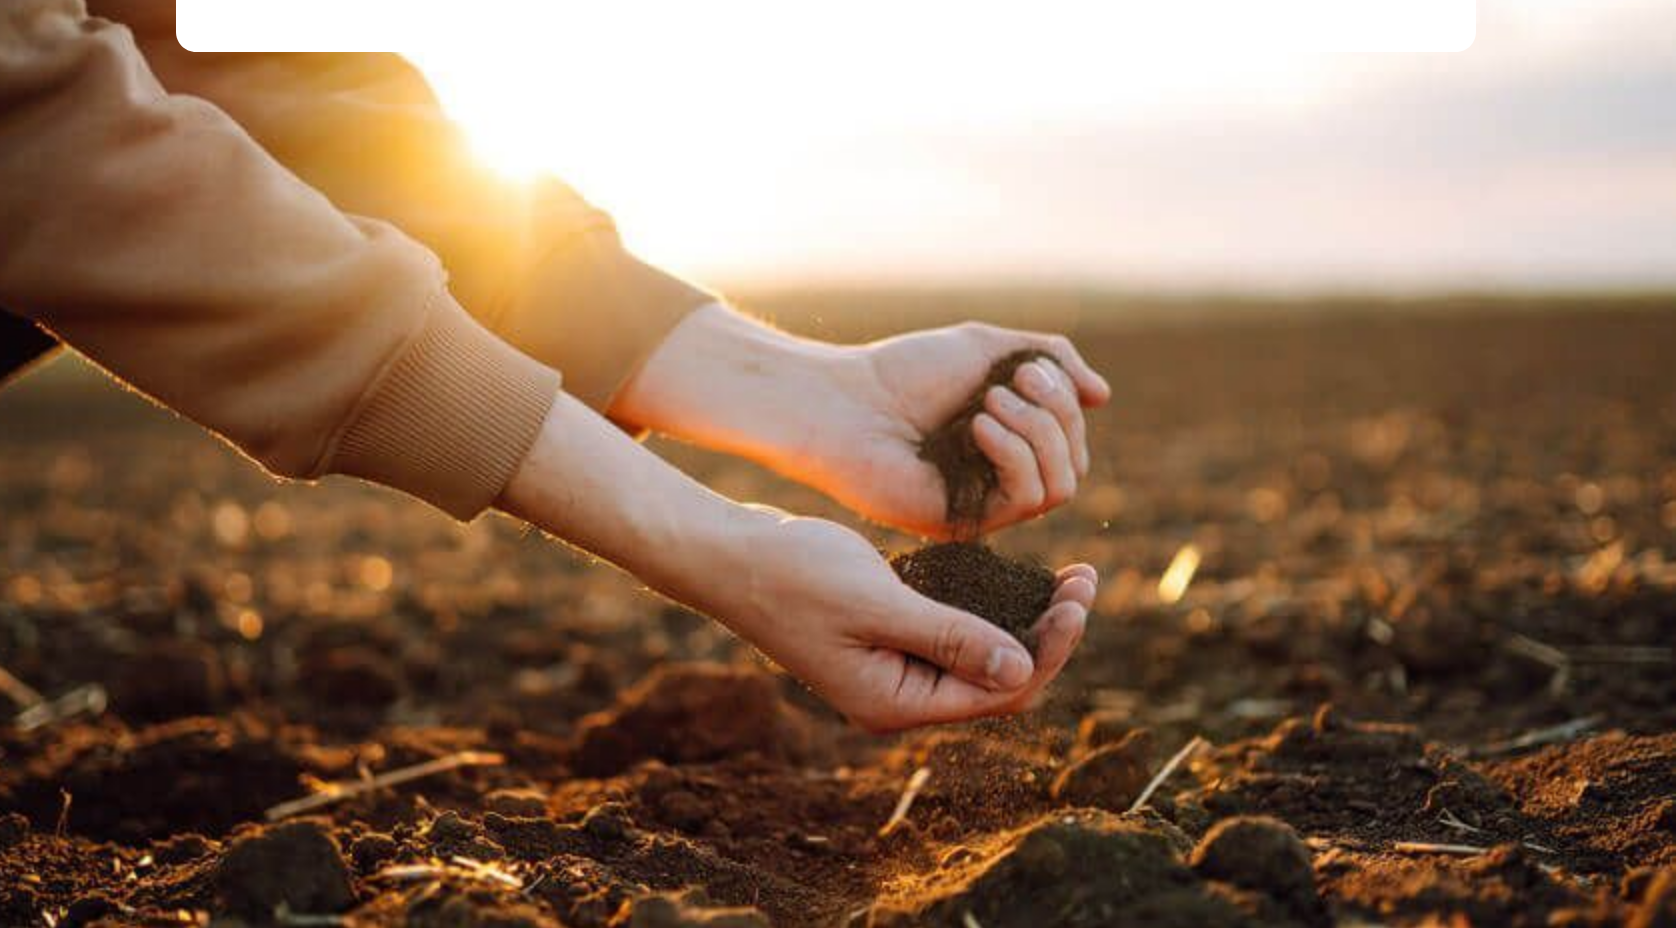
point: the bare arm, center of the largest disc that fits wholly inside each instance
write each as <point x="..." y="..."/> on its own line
<point x="814" y="596"/>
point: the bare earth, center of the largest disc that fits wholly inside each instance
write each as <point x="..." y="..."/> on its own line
<point x="1423" y="535"/>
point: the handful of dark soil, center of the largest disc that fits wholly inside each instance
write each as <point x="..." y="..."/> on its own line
<point x="969" y="576"/>
<point x="968" y="476"/>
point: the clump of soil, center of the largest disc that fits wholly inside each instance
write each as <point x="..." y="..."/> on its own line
<point x="968" y="476"/>
<point x="970" y="576"/>
<point x="296" y="864"/>
<point x="1110" y="776"/>
<point x="1262" y="854"/>
<point x="689" y="713"/>
<point x="1083" y="868"/>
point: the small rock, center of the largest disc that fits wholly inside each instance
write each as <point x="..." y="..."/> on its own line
<point x="684" y="810"/>
<point x="1262" y="854"/>
<point x="1111" y="777"/>
<point x="297" y="864"/>
<point x="14" y="828"/>
<point x="85" y="911"/>
<point x="608" y="821"/>
<point x="517" y="803"/>
<point x="372" y="849"/>
<point x="450" y="828"/>
<point x="181" y="848"/>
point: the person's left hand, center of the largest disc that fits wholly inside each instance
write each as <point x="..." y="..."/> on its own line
<point x="1031" y="429"/>
<point x="848" y="420"/>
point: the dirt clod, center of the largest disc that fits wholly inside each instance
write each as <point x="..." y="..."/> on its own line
<point x="517" y="803"/>
<point x="973" y="577"/>
<point x="14" y="827"/>
<point x="296" y="864"/>
<point x="690" y="713"/>
<point x="968" y="476"/>
<point x="1109" y="777"/>
<point x="1262" y="854"/>
<point x="1075" y="870"/>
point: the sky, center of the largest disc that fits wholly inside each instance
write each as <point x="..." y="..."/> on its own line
<point x="945" y="149"/>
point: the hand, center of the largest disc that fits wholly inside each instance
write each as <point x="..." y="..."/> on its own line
<point x="848" y="420"/>
<point x="814" y="596"/>
<point x="1032" y="429"/>
<point x="819" y="600"/>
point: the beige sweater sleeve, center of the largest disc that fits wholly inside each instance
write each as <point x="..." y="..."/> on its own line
<point x="532" y="260"/>
<point x="151" y="233"/>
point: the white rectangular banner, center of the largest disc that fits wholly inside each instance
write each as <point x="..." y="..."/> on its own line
<point x="857" y="27"/>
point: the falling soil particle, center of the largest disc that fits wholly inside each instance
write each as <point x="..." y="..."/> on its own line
<point x="968" y="476"/>
<point x="972" y="577"/>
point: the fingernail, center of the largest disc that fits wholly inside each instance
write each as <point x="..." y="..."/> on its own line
<point x="1008" y="399"/>
<point x="1038" y="379"/>
<point x="1008" y="667"/>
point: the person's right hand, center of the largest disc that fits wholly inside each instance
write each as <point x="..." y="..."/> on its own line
<point x="820" y="601"/>
<point x="812" y="595"/>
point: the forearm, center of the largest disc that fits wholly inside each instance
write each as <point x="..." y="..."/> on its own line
<point x="589" y="484"/>
<point x="730" y="383"/>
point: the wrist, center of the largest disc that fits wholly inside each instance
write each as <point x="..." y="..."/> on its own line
<point x="733" y="384"/>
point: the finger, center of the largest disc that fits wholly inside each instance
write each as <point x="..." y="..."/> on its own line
<point x="1058" y="632"/>
<point x="1078" y="570"/>
<point x="1079" y="590"/>
<point x="1046" y="438"/>
<point x="1048" y="386"/>
<point x="1092" y="388"/>
<point x="922" y="696"/>
<point x="966" y="646"/>
<point x="1020" y="479"/>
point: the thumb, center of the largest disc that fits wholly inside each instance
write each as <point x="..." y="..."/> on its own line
<point x="958" y="642"/>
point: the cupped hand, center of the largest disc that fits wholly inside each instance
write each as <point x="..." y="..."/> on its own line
<point x="820" y="601"/>
<point x="1032" y="429"/>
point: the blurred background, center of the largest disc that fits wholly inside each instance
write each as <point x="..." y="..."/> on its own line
<point x="1112" y="150"/>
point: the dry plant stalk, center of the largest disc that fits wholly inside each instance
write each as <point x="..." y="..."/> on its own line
<point x="332" y="793"/>
<point x="1425" y="847"/>
<point x="89" y="698"/>
<point x="20" y="693"/>
<point x="1188" y="750"/>
<point x="916" y="782"/>
<point x="1553" y="734"/>
<point x="457" y="866"/>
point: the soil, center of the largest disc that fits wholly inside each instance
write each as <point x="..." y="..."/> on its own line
<point x="1403" y="519"/>
<point x="968" y="476"/>
<point x="972" y="577"/>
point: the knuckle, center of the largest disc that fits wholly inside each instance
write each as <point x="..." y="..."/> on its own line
<point x="950" y="645"/>
<point x="1030" y="497"/>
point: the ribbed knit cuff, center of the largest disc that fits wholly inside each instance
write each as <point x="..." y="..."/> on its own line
<point x="596" y="312"/>
<point x="452" y="417"/>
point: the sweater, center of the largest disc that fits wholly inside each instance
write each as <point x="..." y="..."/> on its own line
<point x="300" y="253"/>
